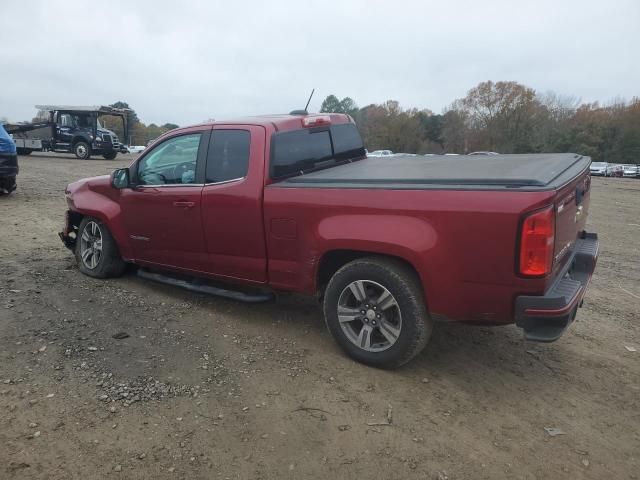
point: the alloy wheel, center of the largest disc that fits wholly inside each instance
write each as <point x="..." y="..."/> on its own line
<point x="369" y="315"/>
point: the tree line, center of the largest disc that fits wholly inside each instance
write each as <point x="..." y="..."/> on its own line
<point x="504" y="117"/>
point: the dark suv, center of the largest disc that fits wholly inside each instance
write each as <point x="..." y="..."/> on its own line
<point x="8" y="162"/>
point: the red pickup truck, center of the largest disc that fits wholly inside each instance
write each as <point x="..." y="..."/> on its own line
<point x="390" y="245"/>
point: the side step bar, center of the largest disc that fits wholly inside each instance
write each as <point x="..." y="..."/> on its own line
<point x="200" y="286"/>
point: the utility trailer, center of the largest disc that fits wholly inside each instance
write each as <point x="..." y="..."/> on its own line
<point x="77" y="130"/>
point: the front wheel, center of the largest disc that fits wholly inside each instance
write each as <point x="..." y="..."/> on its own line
<point x="82" y="150"/>
<point x="110" y="155"/>
<point x="97" y="253"/>
<point x="375" y="310"/>
<point x="7" y="185"/>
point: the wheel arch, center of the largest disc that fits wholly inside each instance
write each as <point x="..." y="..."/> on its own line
<point x="342" y="238"/>
<point x="110" y="215"/>
<point x="333" y="260"/>
<point x="80" y="138"/>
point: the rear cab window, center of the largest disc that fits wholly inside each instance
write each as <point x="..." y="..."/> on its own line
<point x="297" y="151"/>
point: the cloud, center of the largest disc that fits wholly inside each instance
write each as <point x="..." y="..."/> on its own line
<point x="184" y="62"/>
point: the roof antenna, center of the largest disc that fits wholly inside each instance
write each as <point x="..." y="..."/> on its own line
<point x="304" y="112"/>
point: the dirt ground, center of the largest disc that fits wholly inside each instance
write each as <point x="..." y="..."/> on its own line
<point x="207" y="388"/>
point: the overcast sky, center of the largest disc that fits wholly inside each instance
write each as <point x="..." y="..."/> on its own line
<point x="184" y="62"/>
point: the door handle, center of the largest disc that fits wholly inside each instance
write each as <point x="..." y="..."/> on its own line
<point x="183" y="204"/>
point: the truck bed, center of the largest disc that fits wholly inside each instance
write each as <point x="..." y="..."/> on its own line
<point x="545" y="171"/>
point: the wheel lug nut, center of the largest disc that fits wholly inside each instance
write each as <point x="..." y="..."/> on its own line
<point x="363" y="312"/>
<point x="379" y="316"/>
<point x="373" y="322"/>
<point x="366" y="320"/>
<point x="367" y="305"/>
<point x="375" y="308"/>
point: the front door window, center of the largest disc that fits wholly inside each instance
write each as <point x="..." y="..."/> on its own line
<point x="171" y="163"/>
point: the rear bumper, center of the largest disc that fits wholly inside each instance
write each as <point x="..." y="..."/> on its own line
<point x="545" y="318"/>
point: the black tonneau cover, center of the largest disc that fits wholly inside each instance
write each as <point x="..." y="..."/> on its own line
<point x="540" y="171"/>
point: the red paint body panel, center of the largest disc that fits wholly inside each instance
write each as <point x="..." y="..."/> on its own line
<point x="462" y="243"/>
<point x="161" y="230"/>
<point x="232" y="218"/>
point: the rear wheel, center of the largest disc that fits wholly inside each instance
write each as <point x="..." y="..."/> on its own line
<point x="110" y="155"/>
<point x="82" y="150"/>
<point x="96" y="250"/>
<point x="375" y="310"/>
<point x="23" y="151"/>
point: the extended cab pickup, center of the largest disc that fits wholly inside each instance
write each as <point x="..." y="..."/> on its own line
<point x="292" y="203"/>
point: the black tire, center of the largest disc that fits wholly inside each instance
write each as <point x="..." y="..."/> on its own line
<point x="110" y="155"/>
<point x="23" y="151"/>
<point x="82" y="150"/>
<point x="109" y="263"/>
<point x="7" y="185"/>
<point x="404" y="285"/>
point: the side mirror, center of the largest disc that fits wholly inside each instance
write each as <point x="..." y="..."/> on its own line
<point x="120" y="178"/>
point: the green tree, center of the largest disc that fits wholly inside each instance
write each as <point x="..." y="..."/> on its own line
<point x="331" y="104"/>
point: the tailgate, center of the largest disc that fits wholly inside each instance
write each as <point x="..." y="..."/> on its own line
<point x="572" y="205"/>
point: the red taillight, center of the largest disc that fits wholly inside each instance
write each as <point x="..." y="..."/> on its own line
<point x="316" y="121"/>
<point x="536" y="242"/>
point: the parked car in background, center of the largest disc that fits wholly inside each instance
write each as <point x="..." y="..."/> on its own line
<point x="390" y="247"/>
<point x="631" y="170"/>
<point x="380" y="153"/>
<point x="136" y="148"/>
<point x="600" y="169"/>
<point x="483" y="153"/>
<point x="616" y="170"/>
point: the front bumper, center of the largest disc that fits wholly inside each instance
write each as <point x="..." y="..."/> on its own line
<point x="8" y="165"/>
<point x="69" y="232"/>
<point x="545" y="318"/>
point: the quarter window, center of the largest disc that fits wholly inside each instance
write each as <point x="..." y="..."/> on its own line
<point x="228" y="157"/>
<point x="173" y="162"/>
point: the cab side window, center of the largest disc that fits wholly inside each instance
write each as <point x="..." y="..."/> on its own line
<point x="65" y="120"/>
<point x="228" y="156"/>
<point x="173" y="162"/>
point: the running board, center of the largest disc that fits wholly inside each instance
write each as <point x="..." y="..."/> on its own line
<point x="199" y="286"/>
